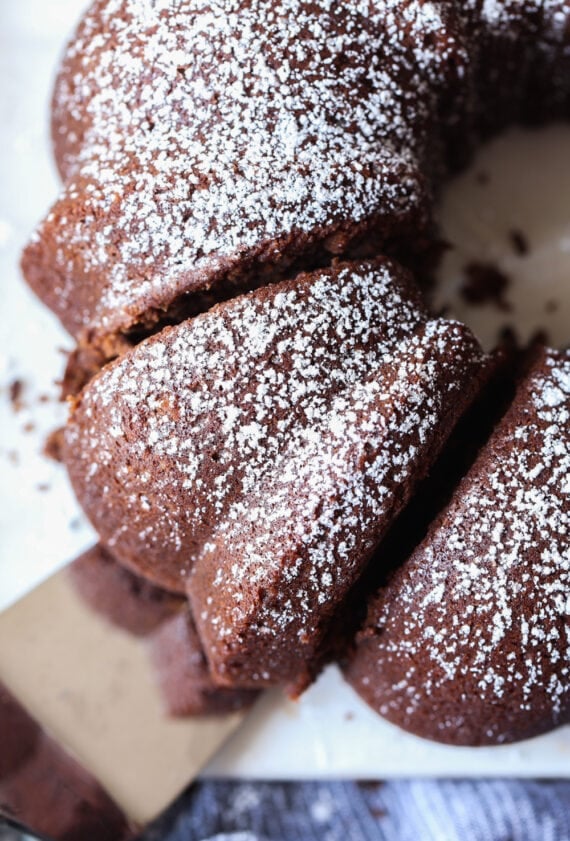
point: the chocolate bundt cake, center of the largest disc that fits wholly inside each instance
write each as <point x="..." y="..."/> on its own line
<point x="252" y="450"/>
<point x="469" y="642"/>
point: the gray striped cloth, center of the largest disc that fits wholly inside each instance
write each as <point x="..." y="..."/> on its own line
<point x="406" y="810"/>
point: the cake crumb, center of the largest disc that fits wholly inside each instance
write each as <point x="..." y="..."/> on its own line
<point x="519" y="242"/>
<point x="485" y="283"/>
<point x="369" y="785"/>
<point x="15" y="392"/>
<point x="54" y="444"/>
<point x="13" y="457"/>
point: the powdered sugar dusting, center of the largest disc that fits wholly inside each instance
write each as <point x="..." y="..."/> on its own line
<point x="281" y="400"/>
<point x="284" y="557"/>
<point x="481" y="610"/>
<point x="205" y="141"/>
<point x="206" y="407"/>
<point x="199" y="133"/>
<point x="499" y="13"/>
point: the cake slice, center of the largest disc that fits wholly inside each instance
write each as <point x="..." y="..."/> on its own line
<point x="255" y="455"/>
<point x="272" y="581"/>
<point x="469" y="642"/>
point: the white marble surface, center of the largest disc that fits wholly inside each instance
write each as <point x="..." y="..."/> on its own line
<point x="330" y="732"/>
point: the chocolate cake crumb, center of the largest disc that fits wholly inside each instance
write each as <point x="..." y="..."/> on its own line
<point x="53" y="445"/>
<point x="29" y="427"/>
<point x="485" y="283"/>
<point x="369" y="785"/>
<point x="519" y="241"/>
<point x="13" y="457"/>
<point x="15" y="391"/>
<point x="42" y="487"/>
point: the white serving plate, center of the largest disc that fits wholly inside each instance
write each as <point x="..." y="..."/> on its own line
<point x="329" y="732"/>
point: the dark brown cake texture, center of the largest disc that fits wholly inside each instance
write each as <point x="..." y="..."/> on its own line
<point x="469" y="643"/>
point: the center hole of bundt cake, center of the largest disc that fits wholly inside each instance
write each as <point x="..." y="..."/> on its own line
<point x="507" y="222"/>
